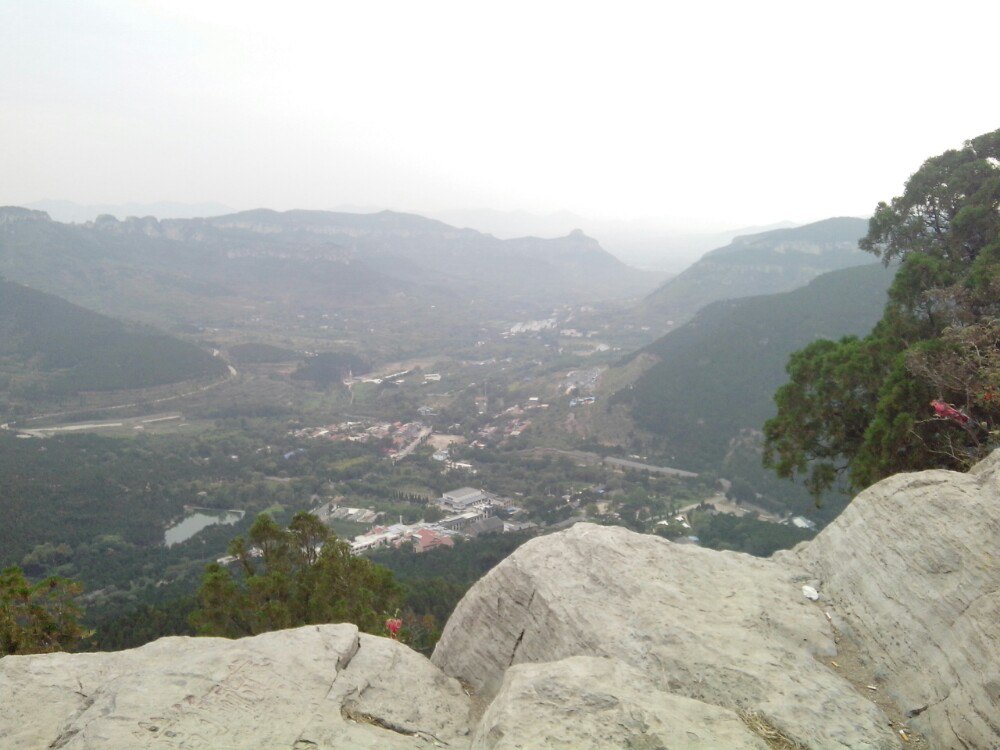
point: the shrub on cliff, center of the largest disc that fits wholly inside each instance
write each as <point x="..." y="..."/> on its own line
<point x="284" y="578"/>
<point x="38" y="618"/>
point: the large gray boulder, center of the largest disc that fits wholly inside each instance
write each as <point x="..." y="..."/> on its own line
<point x="722" y="628"/>
<point x="912" y="569"/>
<point x="317" y="687"/>
<point x="905" y="635"/>
<point x="587" y="703"/>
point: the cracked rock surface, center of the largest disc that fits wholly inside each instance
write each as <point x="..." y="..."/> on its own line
<point x="286" y="689"/>
<point x="724" y="629"/>
<point x="589" y="703"/>
<point x="911" y="567"/>
<point x="908" y="573"/>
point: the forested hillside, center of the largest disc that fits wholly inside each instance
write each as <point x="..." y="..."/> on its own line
<point x="718" y="374"/>
<point x="51" y="349"/>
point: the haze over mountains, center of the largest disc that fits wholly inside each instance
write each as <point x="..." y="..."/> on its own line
<point x="647" y="243"/>
<point x="773" y="261"/>
<point x="654" y="245"/>
<point x="79" y="213"/>
<point x="257" y="272"/>
<point x="215" y="268"/>
<point x="227" y="268"/>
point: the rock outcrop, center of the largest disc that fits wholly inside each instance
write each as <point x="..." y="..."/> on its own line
<point x="911" y="567"/>
<point x="589" y="703"/>
<point x="323" y="686"/>
<point x="721" y="628"/>
<point x="909" y="587"/>
<point x="597" y="637"/>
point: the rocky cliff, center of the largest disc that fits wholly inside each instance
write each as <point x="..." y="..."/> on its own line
<point x="597" y="637"/>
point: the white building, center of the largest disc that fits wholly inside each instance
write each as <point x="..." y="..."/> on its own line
<point x="465" y="498"/>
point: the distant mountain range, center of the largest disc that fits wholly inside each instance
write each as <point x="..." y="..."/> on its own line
<point x="764" y="263"/>
<point x="51" y="349"/>
<point x="197" y="269"/>
<point x="413" y="248"/>
<point x="80" y="213"/>
<point x="647" y="244"/>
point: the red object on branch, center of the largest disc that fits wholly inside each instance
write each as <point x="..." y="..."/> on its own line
<point x="393" y="624"/>
<point x="947" y="411"/>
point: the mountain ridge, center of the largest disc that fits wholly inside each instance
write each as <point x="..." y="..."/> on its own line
<point x="773" y="261"/>
<point x="311" y="257"/>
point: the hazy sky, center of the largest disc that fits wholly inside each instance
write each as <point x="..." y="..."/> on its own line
<point x="727" y="113"/>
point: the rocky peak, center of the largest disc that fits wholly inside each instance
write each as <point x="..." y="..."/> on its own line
<point x="146" y="225"/>
<point x="14" y="214"/>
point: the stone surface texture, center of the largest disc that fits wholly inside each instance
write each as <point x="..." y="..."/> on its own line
<point x="911" y="567"/>
<point x="313" y="687"/>
<point x="597" y="637"/>
<point x="589" y="703"/>
<point x="726" y="629"/>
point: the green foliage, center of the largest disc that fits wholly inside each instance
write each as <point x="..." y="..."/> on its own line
<point x="256" y="353"/>
<point x="107" y="502"/>
<point x="89" y="486"/>
<point x="329" y="368"/>
<point x="948" y="209"/>
<point x="759" y="264"/>
<point x="825" y="409"/>
<point x="860" y="408"/>
<point x="717" y="374"/>
<point x="143" y="623"/>
<point x="305" y="575"/>
<point x="53" y="349"/>
<point x="746" y="534"/>
<point x="38" y="618"/>
<point x="741" y="492"/>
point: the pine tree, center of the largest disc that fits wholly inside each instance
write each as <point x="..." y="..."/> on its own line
<point x="285" y="578"/>
<point x="38" y="618"/>
<point x="859" y="409"/>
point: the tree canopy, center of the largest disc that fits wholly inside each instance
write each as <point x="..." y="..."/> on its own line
<point x="284" y="578"/>
<point x="38" y="618"/>
<point x="860" y="409"/>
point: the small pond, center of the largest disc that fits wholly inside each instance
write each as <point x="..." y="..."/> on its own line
<point x="202" y="519"/>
